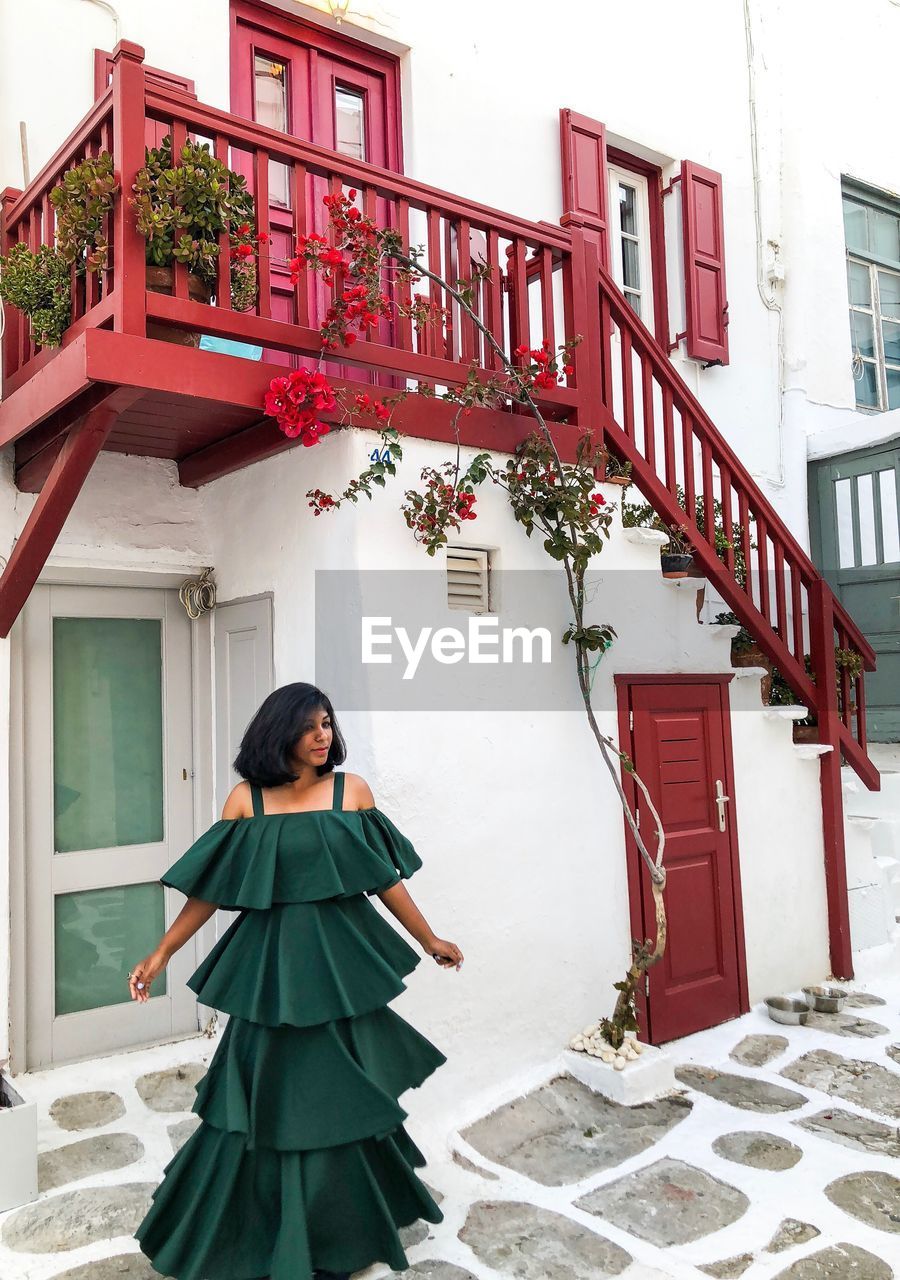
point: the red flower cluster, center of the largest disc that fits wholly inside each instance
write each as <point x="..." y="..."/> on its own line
<point x="597" y="501"/>
<point x="547" y="374"/>
<point x="461" y="504"/>
<point x="245" y="242"/>
<point x="365" y="404"/>
<point x="320" y="501"/>
<point x="297" y="400"/>
<point x="315" y="251"/>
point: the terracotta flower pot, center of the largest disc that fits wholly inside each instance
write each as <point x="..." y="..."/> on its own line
<point x="752" y="656"/>
<point x="622" y="481"/>
<point x="806" y="732"/>
<point x="162" y="280"/>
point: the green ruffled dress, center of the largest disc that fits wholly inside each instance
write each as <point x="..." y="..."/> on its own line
<point x="301" y="1159"/>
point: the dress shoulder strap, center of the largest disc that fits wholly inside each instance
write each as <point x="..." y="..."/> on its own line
<point x="256" y="793"/>
<point x="338" y="793"/>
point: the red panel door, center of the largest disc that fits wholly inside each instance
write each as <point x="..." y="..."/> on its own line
<point x="301" y="80"/>
<point x="681" y="749"/>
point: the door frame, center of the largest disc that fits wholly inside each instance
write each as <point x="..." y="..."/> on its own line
<point x="289" y="26"/>
<point x="633" y="862"/>
<point x="201" y="744"/>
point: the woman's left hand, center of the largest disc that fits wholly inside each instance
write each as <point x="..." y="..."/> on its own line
<point x="445" y="953"/>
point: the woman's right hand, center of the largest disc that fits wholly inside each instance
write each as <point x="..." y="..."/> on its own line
<point x="145" y="971"/>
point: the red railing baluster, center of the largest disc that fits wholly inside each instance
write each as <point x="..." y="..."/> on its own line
<point x="519" y="321"/>
<point x="404" y="322"/>
<point x="546" y="286"/>
<point x="669" y="438"/>
<point x="709" y="493"/>
<point x="728" y="519"/>
<point x="263" y="223"/>
<point x="434" y="331"/>
<point x="180" y="270"/>
<point x="762" y="561"/>
<point x="780" y="598"/>
<point x="648" y="413"/>
<point x="494" y="299"/>
<point x="798" y="648"/>
<point x="223" y="262"/>
<point x="468" y="335"/>
<point x="687" y="448"/>
<point x="627" y="384"/>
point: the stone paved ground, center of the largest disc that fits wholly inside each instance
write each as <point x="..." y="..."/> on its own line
<point x="778" y="1156"/>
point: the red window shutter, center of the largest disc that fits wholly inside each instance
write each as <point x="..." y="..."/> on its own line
<point x="584" y="180"/>
<point x="705" y="303"/>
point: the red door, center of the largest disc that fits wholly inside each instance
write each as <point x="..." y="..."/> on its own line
<point x="681" y="747"/>
<point x="299" y="79"/>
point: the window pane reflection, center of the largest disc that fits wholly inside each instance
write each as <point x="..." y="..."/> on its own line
<point x="350" y="123"/>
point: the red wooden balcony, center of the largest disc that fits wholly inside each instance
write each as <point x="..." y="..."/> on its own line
<point x="111" y="386"/>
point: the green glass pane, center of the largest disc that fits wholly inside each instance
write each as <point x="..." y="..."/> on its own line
<point x="893" y="388"/>
<point x="863" y="333"/>
<point x="884" y="234"/>
<point x="890" y="334"/>
<point x="99" y="935"/>
<point x="855" y="231"/>
<point x="107" y="732"/>
<point x="860" y="283"/>
<point x="889" y="294"/>
<point x="866" y="386"/>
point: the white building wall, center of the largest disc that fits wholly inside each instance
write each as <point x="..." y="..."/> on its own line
<point x="482" y="88"/>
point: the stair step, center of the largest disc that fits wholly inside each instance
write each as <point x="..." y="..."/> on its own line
<point x="723" y="630"/>
<point x="750" y="673"/>
<point x="646" y="537"/>
<point x="685" y="584"/>
<point x="794" y="711"/>
<point x="812" y="750"/>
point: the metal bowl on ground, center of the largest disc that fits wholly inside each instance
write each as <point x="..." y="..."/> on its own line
<point x="825" y="999"/>
<point x="783" y="1009"/>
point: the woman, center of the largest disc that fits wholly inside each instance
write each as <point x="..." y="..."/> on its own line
<point x="300" y="1168"/>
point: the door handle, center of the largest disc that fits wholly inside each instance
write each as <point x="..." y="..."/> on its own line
<point x="721" y="801"/>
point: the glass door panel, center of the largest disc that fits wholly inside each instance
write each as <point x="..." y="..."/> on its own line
<point x="97" y="934"/>
<point x="107" y="732"/>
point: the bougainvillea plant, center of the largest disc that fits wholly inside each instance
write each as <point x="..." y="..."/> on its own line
<point x="373" y="276"/>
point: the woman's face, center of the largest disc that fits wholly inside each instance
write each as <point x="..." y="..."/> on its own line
<point x="314" y="743"/>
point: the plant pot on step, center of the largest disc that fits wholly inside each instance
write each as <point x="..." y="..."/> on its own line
<point x="675" y="564"/>
<point x="622" y="481"/>
<point x="805" y="732"/>
<point x="162" y="280"/>
<point x="753" y="656"/>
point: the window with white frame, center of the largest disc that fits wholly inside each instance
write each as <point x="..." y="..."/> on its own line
<point x="629" y="228"/>
<point x="872" y="236"/>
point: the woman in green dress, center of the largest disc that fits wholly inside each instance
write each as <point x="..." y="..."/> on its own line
<point x="301" y="1167"/>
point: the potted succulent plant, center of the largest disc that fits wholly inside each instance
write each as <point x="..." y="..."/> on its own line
<point x="745" y="652"/>
<point x="675" y="555"/>
<point x="181" y="210"/>
<point x="616" y="470"/>
<point x="38" y="283"/>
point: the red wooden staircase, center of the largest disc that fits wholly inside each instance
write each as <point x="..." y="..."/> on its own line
<point x="113" y="387"/>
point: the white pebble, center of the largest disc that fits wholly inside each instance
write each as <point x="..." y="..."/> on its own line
<point x="607" y="1055"/>
<point x="619" y="1062"/>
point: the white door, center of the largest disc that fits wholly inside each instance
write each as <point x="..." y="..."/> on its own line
<point x="244" y="677"/>
<point x="108" y="807"/>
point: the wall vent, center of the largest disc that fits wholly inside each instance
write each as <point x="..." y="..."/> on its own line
<point x="467" y="579"/>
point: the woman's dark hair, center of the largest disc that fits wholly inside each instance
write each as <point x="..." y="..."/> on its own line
<point x="266" y="748"/>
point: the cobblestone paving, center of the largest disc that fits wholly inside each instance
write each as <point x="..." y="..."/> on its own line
<point x="776" y="1158"/>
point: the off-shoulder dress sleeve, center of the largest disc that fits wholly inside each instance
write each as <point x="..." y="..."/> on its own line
<point x="251" y="863"/>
